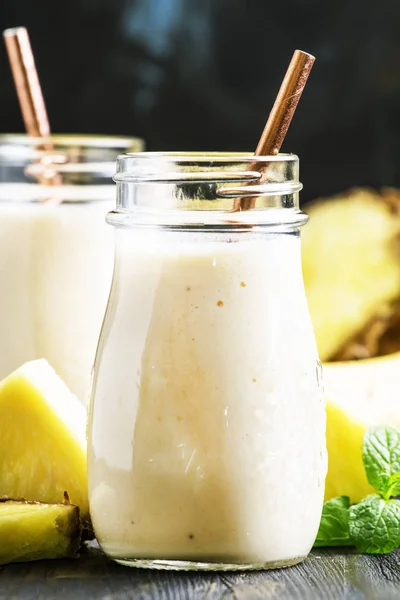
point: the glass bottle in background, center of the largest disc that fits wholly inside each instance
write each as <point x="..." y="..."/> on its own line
<point x="56" y="251"/>
<point x="206" y="431"/>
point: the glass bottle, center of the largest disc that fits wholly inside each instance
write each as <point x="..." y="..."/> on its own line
<point x="56" y="251"/>
<point x="206" y="444"/>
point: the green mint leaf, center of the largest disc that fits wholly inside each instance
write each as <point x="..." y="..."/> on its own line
<point x="334" y="525"/>
<point x="381" y="458"/>
<point x="374" y="525"/>
<point x="393" y="486"/>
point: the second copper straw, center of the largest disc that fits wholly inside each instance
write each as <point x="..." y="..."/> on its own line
<point x="27" y="83"/>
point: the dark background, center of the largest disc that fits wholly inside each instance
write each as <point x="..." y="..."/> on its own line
<point x="203" y="74"/>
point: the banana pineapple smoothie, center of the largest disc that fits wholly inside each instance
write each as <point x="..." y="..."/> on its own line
<point x="56" y="250"/>
<point x="207" y="426"/>
<point x="56" y="265"/>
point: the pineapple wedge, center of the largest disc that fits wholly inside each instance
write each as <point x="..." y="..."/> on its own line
<point x="35" y="531"/>
<point x="42" y="438"/>
<point x="359" y="394"/>
<point x="351" y="265"/>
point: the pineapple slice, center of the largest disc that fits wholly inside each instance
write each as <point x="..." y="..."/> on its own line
<point x="35" y="531"/>
<point x="42" y="438"/>
<point x="359" y="394"/>
<point x="351" y="266"/>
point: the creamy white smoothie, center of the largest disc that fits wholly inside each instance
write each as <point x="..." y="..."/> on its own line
<point x="207" y="426"/>
<point x="56" y="265"/>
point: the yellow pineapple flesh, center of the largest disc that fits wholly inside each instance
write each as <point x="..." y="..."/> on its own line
<point x="351" y="265"/>
<point x="359" y="394"/>
<point x="42" y="438"/>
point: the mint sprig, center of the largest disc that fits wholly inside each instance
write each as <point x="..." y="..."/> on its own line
<point x="334" y="526"/>
<point x="373" y="524"/>
<point x="381" y="458"/>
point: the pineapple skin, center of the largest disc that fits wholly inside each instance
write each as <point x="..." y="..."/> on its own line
<point x="35" y="531"/>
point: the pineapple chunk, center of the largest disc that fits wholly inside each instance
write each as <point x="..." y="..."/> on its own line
<point x="351" y="266"/>
<point x="359" y="394"/>
<point x="35" y="531"/>
<point x="42" y="438"/>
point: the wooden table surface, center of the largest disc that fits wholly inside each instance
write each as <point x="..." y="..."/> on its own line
<point x="325" y="575"/>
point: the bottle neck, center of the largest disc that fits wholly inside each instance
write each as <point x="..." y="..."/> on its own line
<point x="207" y="192"/>
<point x="174" y="206"/>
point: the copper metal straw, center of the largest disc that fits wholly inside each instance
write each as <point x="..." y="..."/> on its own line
<point x="285" y="104"/>
<point x="27" y="83"/>
<point x="281" y="114"/>
<point x="32" y="104"/>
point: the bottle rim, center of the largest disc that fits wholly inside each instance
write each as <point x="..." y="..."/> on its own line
<point x="177" y="167"/>
<point x="206" y="190"/>
<point x="76" y="158"/>
<point x="84" y="140"/>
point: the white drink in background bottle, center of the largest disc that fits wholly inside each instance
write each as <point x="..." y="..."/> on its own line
<point x="56" y="265"/>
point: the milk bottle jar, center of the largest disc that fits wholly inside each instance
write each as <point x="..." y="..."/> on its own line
<point x="207" y="424"/>
<point x="56" y="251"/>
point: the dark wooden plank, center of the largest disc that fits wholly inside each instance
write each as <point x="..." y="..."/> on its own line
<point x="377" y="577"/>
<point x="325" y="575"/>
